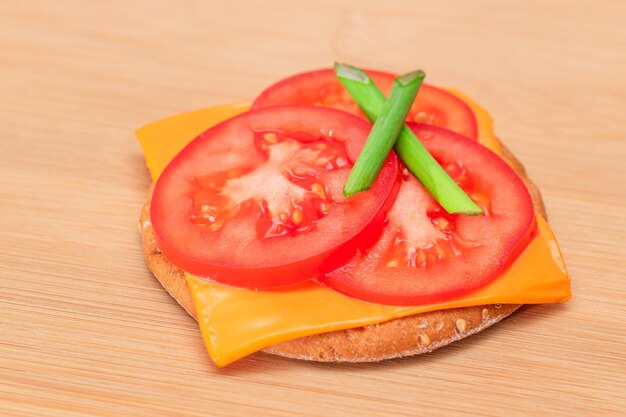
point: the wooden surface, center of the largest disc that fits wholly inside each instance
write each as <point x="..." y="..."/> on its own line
<point x="85" y="330"/>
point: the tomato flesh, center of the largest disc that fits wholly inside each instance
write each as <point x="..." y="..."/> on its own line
<point x="257" y="201"/>
<point x="432" y="105"/>
<point x="425" y="255"/>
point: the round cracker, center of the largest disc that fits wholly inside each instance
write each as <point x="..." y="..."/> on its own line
<point x="406" y="336"/>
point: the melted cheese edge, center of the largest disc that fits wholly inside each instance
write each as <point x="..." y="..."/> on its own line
<point x="236" y="322"/>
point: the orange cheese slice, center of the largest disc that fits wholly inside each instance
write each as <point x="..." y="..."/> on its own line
<point x="236" y="322"/>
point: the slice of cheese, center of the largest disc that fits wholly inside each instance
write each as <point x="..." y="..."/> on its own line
<point x="236" y="322"/>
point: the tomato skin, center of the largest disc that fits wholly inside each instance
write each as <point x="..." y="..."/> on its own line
<point x="235" y="254"/>
<point x="320" y="87"/>
<point x="473" y="250"/>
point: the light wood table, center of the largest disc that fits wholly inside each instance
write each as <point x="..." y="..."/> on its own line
<point x="85" y="330"/>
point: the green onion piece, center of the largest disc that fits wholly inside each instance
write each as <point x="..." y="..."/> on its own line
<point x="410" y="150"/>
<point x="384" y="133"/>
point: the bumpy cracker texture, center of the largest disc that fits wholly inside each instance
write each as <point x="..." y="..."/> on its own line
<point x="396" y="338"/>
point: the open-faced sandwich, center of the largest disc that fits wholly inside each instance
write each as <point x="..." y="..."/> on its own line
<point x="290" y="225"/>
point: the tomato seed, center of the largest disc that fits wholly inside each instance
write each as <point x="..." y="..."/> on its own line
<point x="318" y="189"/>
<point x="297" y="217"/>
<point x="270" y="137"/>
<point x="441" y="223"/>
<point x="423" y="117"/>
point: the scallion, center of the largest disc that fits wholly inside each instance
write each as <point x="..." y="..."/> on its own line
<point x="384" y="133"/>
<point x="410" y="150"/>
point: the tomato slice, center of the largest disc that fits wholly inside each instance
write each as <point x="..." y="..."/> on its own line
<point x="432" y="106"/>
<point x="425" y="255"/>
<point x="257" y="201"/>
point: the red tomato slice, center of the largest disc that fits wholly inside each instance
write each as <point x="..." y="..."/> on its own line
<point x="432" y="106"/>
<point x="257" y="201"/>
<point x="425" y="255"/>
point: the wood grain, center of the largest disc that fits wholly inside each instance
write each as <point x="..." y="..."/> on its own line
<point x="85" y="330"/>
